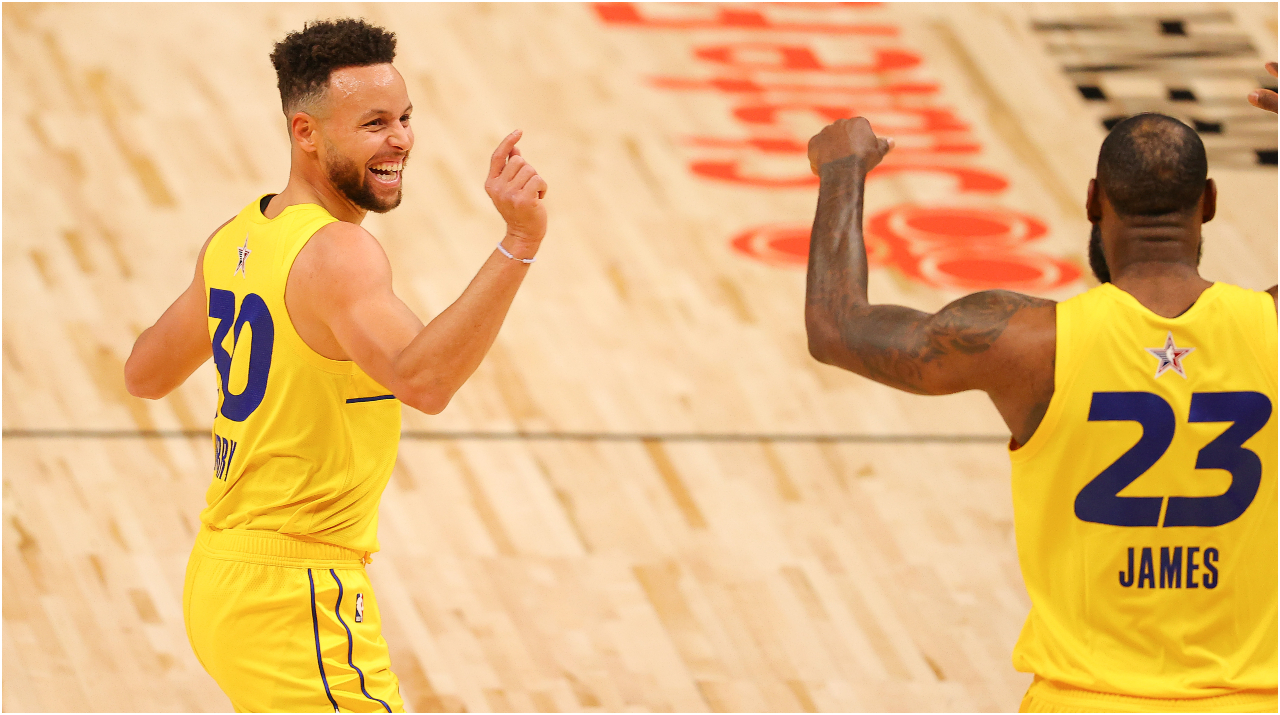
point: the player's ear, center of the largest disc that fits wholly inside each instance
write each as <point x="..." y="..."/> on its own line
<point x="1209" y="202"/>
<point x="1093" y="202"/>
<point x="302" y="129"/>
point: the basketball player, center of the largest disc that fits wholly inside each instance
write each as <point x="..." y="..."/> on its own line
<point x="1143" y="427"/>
<point x="314" y="355"/>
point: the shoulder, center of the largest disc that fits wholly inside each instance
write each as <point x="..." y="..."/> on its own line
<point x="215" y="233"/>
<point x="1239" y="294"/>
<point x="204" y="249"/>
<point x="991" y="308"/>
<point x="343" y="238"/>
<point x="341" y="257"/>
<point x="1008" y="322"/>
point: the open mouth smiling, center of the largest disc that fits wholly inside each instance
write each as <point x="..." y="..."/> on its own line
<point x="387" y="173"/>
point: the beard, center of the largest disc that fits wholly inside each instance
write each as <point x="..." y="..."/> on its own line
<point x="1098" y="260"/>
<point x="350" y="179"/>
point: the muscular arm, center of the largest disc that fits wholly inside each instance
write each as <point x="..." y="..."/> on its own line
<point x="996" y="341"/>
<point x="342" y="281"/>
<point x="166" y="354"/>
<point x="339" y="294"/>
<point x="1266" y="99"/>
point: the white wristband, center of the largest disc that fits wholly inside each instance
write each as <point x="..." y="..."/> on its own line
<point x="507" y="253"/>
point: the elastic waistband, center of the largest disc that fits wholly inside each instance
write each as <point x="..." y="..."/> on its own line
<point x="270" y="547"/>
<point x="1072" y="697"/>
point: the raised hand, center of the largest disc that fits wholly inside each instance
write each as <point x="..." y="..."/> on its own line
<point x="845" y="138"/>
<point x="1265" y="98"/>
<point x="517" y="192"/>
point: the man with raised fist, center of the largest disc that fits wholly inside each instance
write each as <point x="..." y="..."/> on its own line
<point x="1156" y="599"/>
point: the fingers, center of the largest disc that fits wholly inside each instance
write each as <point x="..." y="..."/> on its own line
<point x="528" y="183"/>
<point x="522" y="176"/>
<point x="513" y="167"/>
<point x="498" y="160"/>
<point x="517" y="177"/>
<point x="1263" y="99"/>
<point x="885" y="144"/>
<point x="538" y="185"/>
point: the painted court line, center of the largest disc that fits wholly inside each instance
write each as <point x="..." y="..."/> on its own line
<point x="423" y="435"/>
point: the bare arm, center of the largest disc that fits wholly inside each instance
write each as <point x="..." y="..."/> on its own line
<point x="1266" y="99"/>
<point x="996" y="341"/>
<point x="343" y="280"/>
<point x="166" y="354"/>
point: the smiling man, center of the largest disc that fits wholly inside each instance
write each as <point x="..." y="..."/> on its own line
<point x="314" y="356"/>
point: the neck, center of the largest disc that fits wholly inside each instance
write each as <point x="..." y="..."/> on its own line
<point x="1166" y="289"/>
<point x="308" y="184"/>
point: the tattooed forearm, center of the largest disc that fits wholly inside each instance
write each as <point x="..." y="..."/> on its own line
<point x="837" y="256"/>
<point x="898" y="346"/>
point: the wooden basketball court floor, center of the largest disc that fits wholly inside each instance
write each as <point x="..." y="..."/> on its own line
<point x="649" y="497"/>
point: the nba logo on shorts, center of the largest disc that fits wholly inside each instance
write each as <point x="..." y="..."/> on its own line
<point x="359" y="608"/>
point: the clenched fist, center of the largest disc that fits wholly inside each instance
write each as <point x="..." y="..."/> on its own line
<point x="517" y="192"/>
<point x="845" y="138"/>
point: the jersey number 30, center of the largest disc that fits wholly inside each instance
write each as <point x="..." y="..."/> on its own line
<point x="253" y="310"/>
<point x="1247" y="412"/>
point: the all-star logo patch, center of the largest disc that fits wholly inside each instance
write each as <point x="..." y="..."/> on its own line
<point x="359" y="608"/>
<point x="244" y="253"/>
<point x="1170" y="357"/>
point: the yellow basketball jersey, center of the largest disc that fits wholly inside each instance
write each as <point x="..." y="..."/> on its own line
<point x="1145" y="503"/>
<point x="303" y="445"/>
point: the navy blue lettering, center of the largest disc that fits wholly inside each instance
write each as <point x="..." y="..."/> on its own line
<point x="1248" y="412"/>
<point x="1147" y="569"/>
<point x="1192" y="566"/>
<point x="1210" y="579"/>
<point x="230" y="455"/>
<point x="254" y="312"/>
<point x="1170" y="567"/>
<point x="1127" y="582"/>
<point x="1098" y="501"/>
<point x="223" y="451"/>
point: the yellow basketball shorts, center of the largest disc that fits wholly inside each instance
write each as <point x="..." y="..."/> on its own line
<point x="285" y="625"/>
<point x="1046" y="696"/>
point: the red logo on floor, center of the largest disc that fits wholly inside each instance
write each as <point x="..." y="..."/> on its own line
<point x="945" y="247"/>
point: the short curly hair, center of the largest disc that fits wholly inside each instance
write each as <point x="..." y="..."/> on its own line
<point x="305" y="59"/>
<point x="1151" y="164"/>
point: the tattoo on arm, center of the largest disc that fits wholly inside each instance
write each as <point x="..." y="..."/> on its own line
<point x="907" y="349"/>
<point x="898" y="346"/>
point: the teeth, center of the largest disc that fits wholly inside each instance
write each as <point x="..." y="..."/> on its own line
<point x="388" y="166"/>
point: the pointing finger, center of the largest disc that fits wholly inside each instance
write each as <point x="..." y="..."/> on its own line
<point x="499" y="157"/>
<point x="1263" y="99"/>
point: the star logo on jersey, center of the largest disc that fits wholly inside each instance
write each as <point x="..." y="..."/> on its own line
<point x="244" y="253"/>
<point x="1170" y="357"/>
